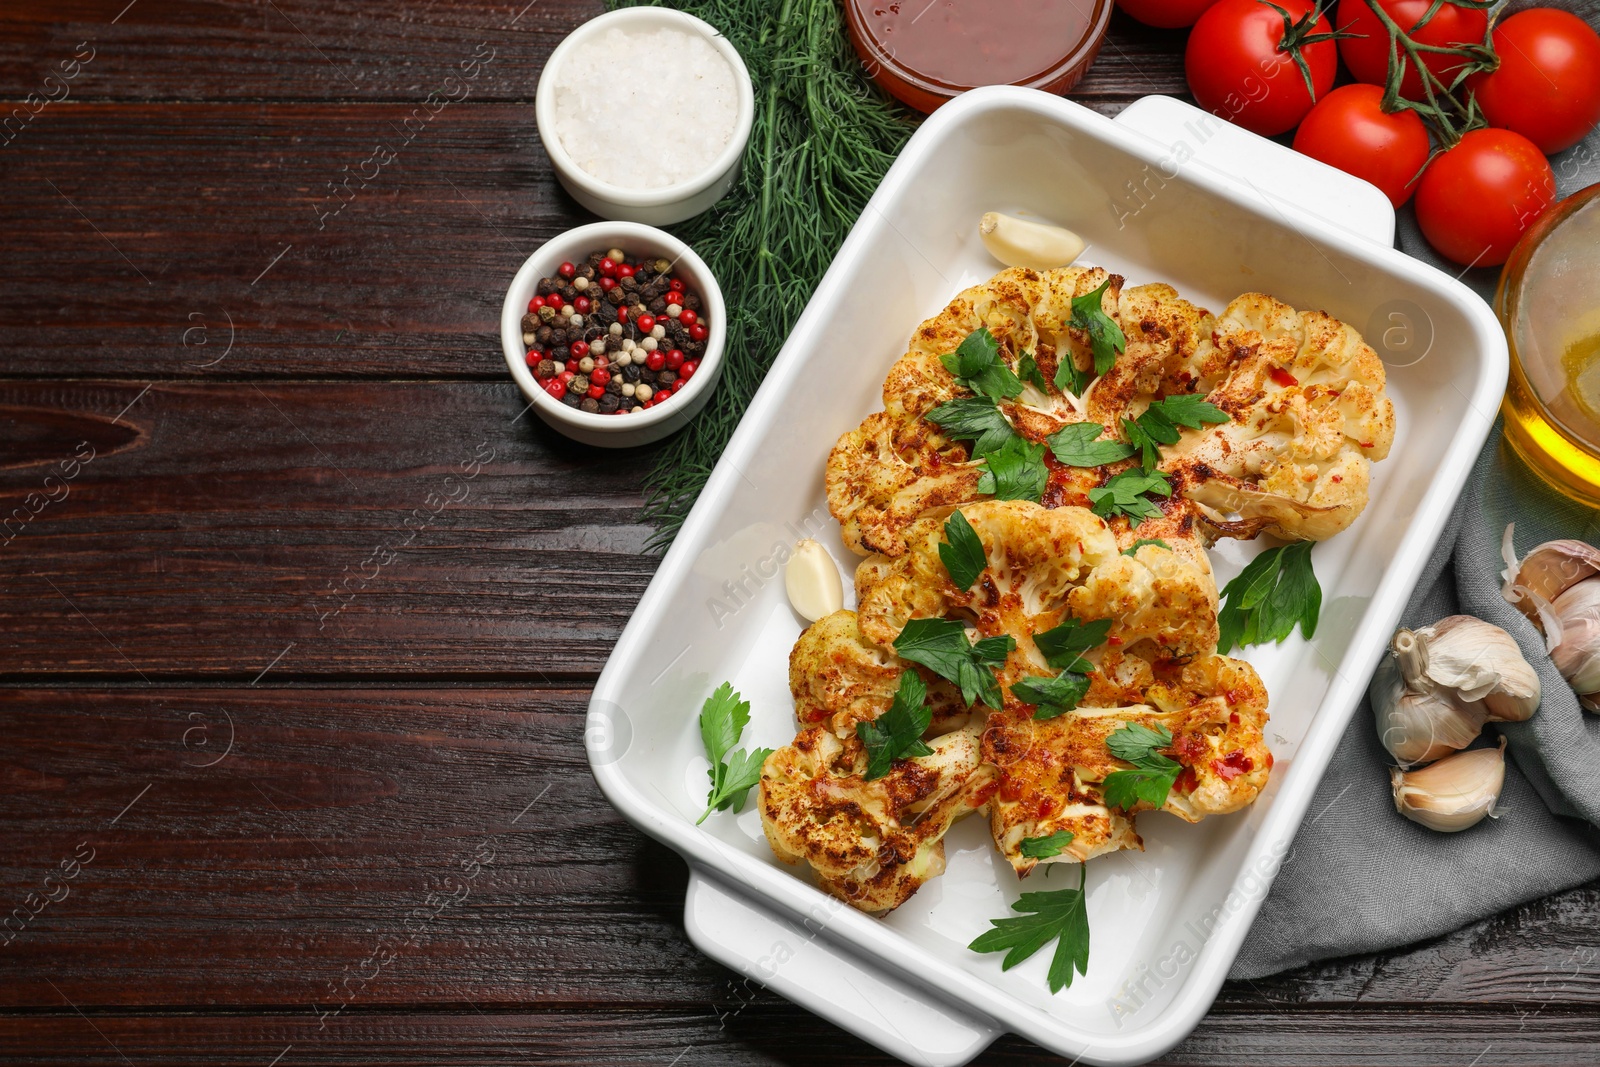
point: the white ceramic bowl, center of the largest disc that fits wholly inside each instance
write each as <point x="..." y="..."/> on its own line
<point x="669" y="204"/>
<point x="651" y="424"/>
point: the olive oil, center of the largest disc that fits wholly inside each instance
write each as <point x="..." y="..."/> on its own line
<point x="1549" y="303"/>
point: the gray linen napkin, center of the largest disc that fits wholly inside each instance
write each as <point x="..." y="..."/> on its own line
<point x="1361" y="878"/>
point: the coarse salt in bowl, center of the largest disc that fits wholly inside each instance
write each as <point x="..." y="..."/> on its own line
<point x="645" y="113"/>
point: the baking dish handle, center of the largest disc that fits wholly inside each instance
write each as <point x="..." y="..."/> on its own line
<point x="790" y="958"/>
<point x="1264" y="167"/>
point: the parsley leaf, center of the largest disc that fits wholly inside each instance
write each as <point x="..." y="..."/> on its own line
<point x="1106" y="339"/>
<point x="978" y="366"/>
<point x="1137" y="545"/>
<point x="1069" y="379"/>
<point x="941" y="645"/>
<point x="1042" y="848"/>
<point x="1160" y="422"/>
<point x="1053" y="696"/>
<point x="1014" y="471"/>
<point x="723" y="718"/>
<point x="1269" y="597"/>
<point x="1152" y="775"/>
<point x="1062" y="644"/>
<point x="1056" y="915"/>
<point x="1125" y="494"/>
<point x="1028" y="370"/>
<point x="975" y="419"/>
<point x="961" y="551"/>
<point x="897" y="733"/>
<point x="1075" y="445"/>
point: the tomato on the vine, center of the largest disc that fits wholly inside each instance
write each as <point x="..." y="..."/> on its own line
<point x="1367" y="56"/>
<point x="1166" y="14"/>
<point x="1349" y="129"/>
<point x="1547" y="86"/>
<point x="1241" y="65"/>
<point x="1475" y="200"/>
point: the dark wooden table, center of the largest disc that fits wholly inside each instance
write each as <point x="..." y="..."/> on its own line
<point x="288" y="776"/>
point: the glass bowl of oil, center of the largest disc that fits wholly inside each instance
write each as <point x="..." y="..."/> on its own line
<point x="1549" y="303"/>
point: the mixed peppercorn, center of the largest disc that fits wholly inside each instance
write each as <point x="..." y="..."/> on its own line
<point x="612" y="336"/>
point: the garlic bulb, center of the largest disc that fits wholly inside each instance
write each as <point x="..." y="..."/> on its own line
<point x="1548" y="571"/>
<point x="1453" y="794"/>
<point x="812" y="581"/>
<point x="1443" y="682"/>
<point x="1024" y="243"/>
<point x="1577" y="653"/>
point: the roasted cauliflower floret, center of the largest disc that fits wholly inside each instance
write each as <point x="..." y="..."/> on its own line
<point x="871" y="843"/>
<point x="1053" y="771"/>
<point x="1305" y="396"/>
<point x="838" y="678"/>
<point x="1043" y="566"/>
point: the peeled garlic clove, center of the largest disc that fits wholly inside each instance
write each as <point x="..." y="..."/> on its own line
<point x="812" y="581"/>
<point x="1453" y="794"/>
<point x="1551" y="569"/>
<point x="1475" y="659"/>
<point x="1417" y="727"/>
<point x="1023" y="243"/>
<point x="1577" y="653"/>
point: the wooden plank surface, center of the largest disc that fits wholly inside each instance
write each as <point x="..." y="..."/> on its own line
<point x="319" y="808"/>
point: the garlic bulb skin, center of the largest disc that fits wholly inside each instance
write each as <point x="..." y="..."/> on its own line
<point x="1024" y="243"/>
<point x="1418" y="727"/>
<point x="1577" y="652"/>
<point x="1476" y="660"/>
<point x="812" y="581"/>
<point x="1549" y="570"/>
<point x="1453" y="794"/>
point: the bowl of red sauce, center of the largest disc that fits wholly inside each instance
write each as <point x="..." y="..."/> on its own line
<point x="925" y="52"/>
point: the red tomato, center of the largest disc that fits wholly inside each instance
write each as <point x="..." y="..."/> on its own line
<point x="1349" y="130"/>
<point x="1167" y="14"/>
<point x="1547" y="87"/>
<point x="1475" y="200"/>
<point x="1238" y="70"/>
<point x="1368" y="56"/>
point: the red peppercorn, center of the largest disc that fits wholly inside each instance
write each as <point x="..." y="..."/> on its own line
<point x="566" y="270"/>
<point x="599" y="376"/>
<point x="607" y="284"/>
<point x="647" y="323"/>
<point x="674" y="359"/>
<point x="596" y="392"/>
<point x="579" y="349"/>
<point x="626" y="270"/>
<point x="567" y="376"/>
<point x="687" y="370"/>
<point x="554" y="301"/>
<point x="621" y="411"/>
<point x="556" y="388"/>
<point x="675" y="283"/>
<point x="608" y="268"/>
<point x="622" y="314"/>
<point x="698" y="332"/>
<point x="687" y="317"/>
<point x="655" y="361"/>
<point x="534" y="357"/>
<point x="662" y="396"/>
<point x="583" y="304"/>
<point x="535" y="304"/>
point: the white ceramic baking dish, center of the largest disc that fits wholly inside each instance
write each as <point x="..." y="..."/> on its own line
<point x="1166" y="922"/>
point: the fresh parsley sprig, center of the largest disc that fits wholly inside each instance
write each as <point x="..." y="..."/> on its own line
<point x="1043" y="848"/>
<point x="975" y="419"/>
<point x="1277" y="591"/>
<point x="961" y="551"/>
<point x="1159" y="425"/>
<point x="1129" y="494"/>
<point x="723" y="718"/>
<point x="1153" y="774"/>
<point x="897" y="733"/>
<point x="1106" y="339"/>
<point x="1052" y="696"/>
<point x="976" y="364"/>
<point x="1028" y="370"/>
<point x="1076" y="444"/>
<point x="941" y="645"/>
<point x="1015" y="471"/>
<point x="1062" y="647"/>
<point x="1055" y="915"/>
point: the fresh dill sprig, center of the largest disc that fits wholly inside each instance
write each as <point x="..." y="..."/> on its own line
<point x="822" y="139"/>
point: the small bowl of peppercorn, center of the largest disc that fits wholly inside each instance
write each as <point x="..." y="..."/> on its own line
<point x="614" y="332"/>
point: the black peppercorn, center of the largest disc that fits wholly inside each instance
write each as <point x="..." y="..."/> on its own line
<point x="658" y="306"/>
<point x="629" y="283"/>
<point x="589" y="271"/>
<point x="547" y="369"/>
<point x="589" y="404"/>
<point x="558" y="336"/>
<point x="571" y="399"/>
<point x="542" y="335"/>
<point x="614" y="386"/>
<point x="691" y="301"/>
<point x="631" y="373"/>
<point x="609" y="403"/>
<point x="530" y="323"/>
<point x="545" y="285"/>
<point x="665" y="377"/>
<point x="616" y="296"/>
